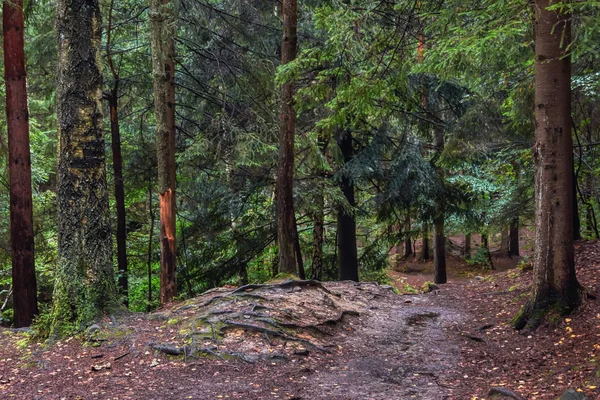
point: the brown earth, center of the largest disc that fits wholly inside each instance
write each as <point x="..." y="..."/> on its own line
<point x="339" y="340"/>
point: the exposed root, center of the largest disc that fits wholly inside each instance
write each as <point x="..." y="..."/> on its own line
<point x="273" y="333"/>
<point x="284" y="285"/>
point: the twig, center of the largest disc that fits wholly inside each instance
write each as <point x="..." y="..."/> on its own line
<point x="121" y="356"/>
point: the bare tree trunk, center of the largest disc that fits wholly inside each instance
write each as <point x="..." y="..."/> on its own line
<point x="576" y="219"/>
<point x="467" y="252"/>
<point x="113" y="101"/>
<point x="439" y="238"/>
<point x="19" y="165"/>
<point x="162" y="37"/>
<point x="318" y="217"/>
<point x="555" y="284"/>
<point x="150" y="239"/>
<point x="513" y="248"/>
<point x="346" y="224"/>
<point x="298" y="249"/>
<point x="318" y="233"/>
<point x="407" y="241"/>
<point x="286" y="234"/>
<point x="84" y="280"/>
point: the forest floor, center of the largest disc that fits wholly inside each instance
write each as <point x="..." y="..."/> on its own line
<point x="337" y="340"/>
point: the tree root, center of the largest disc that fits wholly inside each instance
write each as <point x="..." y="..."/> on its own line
<point x="284" y="285"/>
<point x="273" y="333"/>
<point x="235" y="293"/>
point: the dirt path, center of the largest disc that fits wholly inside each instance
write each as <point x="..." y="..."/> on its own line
<point x="401" y="351"/>
<point x="400" y="347"/>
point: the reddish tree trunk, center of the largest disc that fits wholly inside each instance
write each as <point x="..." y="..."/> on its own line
<point x="21" y="207"/>
<point x="286" y="234"/>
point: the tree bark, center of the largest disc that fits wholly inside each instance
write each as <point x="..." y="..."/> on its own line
<point x="555" y="284"/>
<point x="513" y="247"/>
<point x="162" y="37"/>
<point x="346" y="224"/>
<point x="286" y="234"/>
<point x="576" y="219"/>
<point x="150" y="240"/>
<point x="407" y="242"/>
<point x="467" y="252"/>
<point x="439" y="238"/>
<point x="19" y="165"/>
<point x="318" y="217"/>
<point x="113" y="103"/>
<point x="123" y="279"/>
<point x="439" y="251"/>
<point x="318" y="234"/>
<point x="84" y="280"/>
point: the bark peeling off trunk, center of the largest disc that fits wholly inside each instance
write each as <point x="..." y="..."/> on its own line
<point x="168" y="287"/>
<point x="555" y="285"/>
<point x="85" y="284"/>
<point x="162" y="37"/>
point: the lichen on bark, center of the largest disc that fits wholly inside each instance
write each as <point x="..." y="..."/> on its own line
<point x="84" y="279"/>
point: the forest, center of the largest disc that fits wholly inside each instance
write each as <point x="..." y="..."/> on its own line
<point x="309" y="183"/>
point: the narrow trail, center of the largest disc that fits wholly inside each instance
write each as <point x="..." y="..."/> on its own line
<point x="401" y="352"/>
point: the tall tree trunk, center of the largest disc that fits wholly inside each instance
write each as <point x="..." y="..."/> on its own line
<point x="576" y="219"/>
<point x="162" y="38"/>
<point x="286" y="234"/>
<point x="318" y="218"/>
<point x="19" y="165"/>
<point x="84" y="280"/>
<point x="150" y="240"/>
<point x="298" y="249"/>
<point x="407" y="242"/>
<point x="113" y="103"/>
<point x="513" y="248"/>
<point x="346" y="224"/>
<point x="439" y="251"/>
<point x="119" y="196"/>
<point x="467" y="253"/>
<point x="439" y="238"/>
<point x="555" y="285"/>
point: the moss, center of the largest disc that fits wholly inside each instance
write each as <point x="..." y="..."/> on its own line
<point x="173" y="321"/>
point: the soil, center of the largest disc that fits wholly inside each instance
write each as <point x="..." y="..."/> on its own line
<point x="338" y="340"/>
